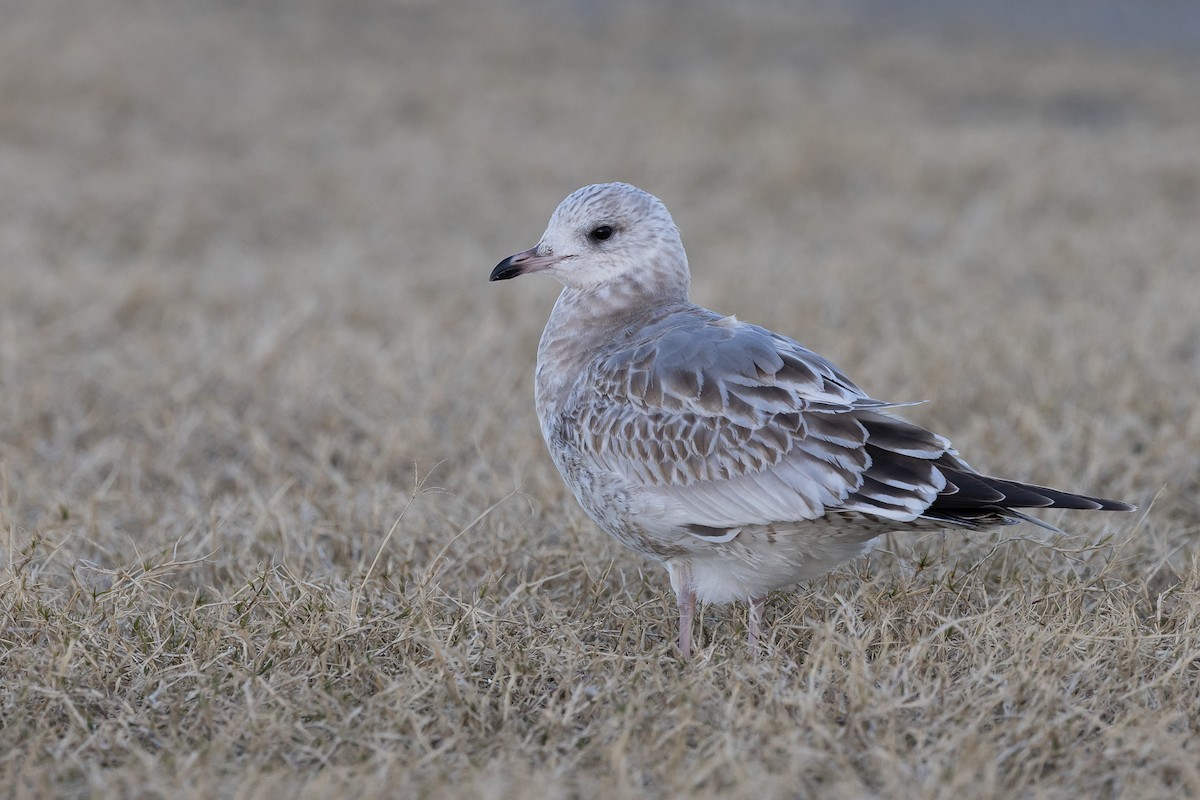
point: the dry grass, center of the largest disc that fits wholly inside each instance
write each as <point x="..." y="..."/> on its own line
<point x="244" y="320"/>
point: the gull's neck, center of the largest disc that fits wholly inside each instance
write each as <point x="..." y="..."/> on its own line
<point x="584" y="320"/>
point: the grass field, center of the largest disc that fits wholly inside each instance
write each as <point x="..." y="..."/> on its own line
<point x="275" y="514"/>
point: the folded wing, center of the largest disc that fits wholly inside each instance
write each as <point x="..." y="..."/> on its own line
<point x="732" y="425"/>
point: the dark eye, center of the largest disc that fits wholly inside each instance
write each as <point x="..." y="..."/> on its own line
<point x="601" y="233"/>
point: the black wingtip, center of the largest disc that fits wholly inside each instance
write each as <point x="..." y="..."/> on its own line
<point x="1069" y="500"/>
<point x="973" y="491"/>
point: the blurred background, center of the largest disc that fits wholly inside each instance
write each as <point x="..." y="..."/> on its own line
<point x="245" y="317"/>
<point x="244" y="245"/>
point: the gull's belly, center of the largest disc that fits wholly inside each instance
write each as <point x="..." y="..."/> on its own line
<point x="762" y="558"/>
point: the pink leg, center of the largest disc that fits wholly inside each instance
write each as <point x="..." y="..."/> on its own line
<point x="687" y="609"/>
<point x="755" y="626"/>
<point x="685" y="596"/>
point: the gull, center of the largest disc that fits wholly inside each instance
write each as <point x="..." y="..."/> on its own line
<point x="737" y="458"/>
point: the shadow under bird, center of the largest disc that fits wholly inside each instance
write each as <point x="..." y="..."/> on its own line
<point x="739" y="459"/>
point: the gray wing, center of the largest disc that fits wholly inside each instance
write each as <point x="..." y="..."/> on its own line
<point x="731" y="425"/>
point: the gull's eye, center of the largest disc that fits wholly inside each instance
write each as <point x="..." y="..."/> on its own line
<point x="601" y="233"/>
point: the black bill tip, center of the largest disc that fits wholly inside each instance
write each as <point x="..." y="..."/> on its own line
<point x="505" y="270"/>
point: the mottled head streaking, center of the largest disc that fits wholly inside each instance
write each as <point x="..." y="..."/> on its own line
<point x="606" y="233"/>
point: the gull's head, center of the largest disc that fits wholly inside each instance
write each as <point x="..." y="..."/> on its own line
<point x="605" y="234"/>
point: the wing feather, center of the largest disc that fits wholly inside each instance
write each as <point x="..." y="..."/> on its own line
<point x="730" y="425"/>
